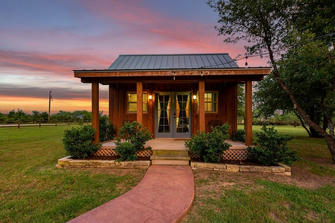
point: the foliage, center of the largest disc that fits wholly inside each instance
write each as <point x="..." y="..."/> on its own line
<point x="271" y="148"/>
<point x="78" y="142"/>
<point x="209" y="146"/>
<point x="134" y="133"/>
<point x="106" y="129"/>
<point x="126" y="151"/>
<point x="286" y="118"/>
<point x="240" y="102"/>
<point x="239" y="135"/>
<point x="287" y="30"/>
<point x="42" y="117"/>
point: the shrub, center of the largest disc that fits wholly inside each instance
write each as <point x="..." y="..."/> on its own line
<point x="134" y="133"/>
<point x="209" y="146"/>
<point x="126" y="151"/>
<point x="78" y="142"/>
<point x="271" y="148"/>
<point x="106" y="129"/>
<point x="239" y="135"/>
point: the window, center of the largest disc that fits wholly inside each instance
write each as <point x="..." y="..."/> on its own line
<point x="132" y="102"/>
<point x="211" y="101"/>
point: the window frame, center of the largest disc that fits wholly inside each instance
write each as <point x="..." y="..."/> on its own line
<point x="216" y="102"/>
<point x="144" y="102"/>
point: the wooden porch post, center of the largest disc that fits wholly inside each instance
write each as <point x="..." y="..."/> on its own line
<point x="139" y="113"/>
<point x="248" y="113"/>
<point x="95" y="111"/>
<point x="110" y="103"/>
<point x="202" y="127"/>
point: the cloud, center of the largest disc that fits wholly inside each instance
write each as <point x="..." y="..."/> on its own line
<point x="7" y="90"/>
<point x="59" y="64"/>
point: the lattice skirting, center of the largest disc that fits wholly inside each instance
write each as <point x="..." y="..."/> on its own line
<point x="108" y="152"/>
<point x="230" y="154"/>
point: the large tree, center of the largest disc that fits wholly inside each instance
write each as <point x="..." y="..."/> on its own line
<point x="266" y="26"/>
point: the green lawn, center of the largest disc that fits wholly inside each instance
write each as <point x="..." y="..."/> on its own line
<point x="307" y="196"/>
<point x="33" y="190"/>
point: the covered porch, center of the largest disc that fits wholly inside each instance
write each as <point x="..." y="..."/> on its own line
<point x="175" y="99"/>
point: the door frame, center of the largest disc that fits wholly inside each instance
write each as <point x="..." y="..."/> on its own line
<point x="173" y="133"/>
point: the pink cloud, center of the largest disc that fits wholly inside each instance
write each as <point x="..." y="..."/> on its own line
<point x="61" y="64"/>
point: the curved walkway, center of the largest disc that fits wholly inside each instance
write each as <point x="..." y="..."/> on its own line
<point x="164" y="195"/>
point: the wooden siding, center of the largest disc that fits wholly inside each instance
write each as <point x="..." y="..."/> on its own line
<point x="227" y="104"/>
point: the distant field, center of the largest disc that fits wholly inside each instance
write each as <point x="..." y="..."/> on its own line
<point x="33" y="190"/>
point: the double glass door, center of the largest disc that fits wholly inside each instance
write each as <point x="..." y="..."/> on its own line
<point x="172" y="115"/>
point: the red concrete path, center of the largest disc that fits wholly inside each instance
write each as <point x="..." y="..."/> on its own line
<point x="164" y="195"/>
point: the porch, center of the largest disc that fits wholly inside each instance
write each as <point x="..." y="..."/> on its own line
<point x="174" y="96"/>
<point x="167" y="150"/>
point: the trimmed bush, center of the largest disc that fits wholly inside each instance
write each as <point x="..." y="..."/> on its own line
<point x="239" y="135"/>
<point x="106" y="129"/>
<point x="271" y="148"/>
<point x="126" y="151"/>
<point x="209" y="146"/>
<point x="134" y="133"/>
<point x="78" y="142"/>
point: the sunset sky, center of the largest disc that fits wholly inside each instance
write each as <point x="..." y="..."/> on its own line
<point x="42" y="41"/>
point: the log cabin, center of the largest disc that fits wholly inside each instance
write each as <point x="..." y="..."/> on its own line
<point x="174" y="95"/>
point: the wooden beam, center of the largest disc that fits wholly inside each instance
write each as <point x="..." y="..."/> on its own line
<point x="172" y="73"/>
<point x="110" y="102"/>
<point x="95" y="111"/>
<point x="139" y="113"/>
<point x="248" y="113"/>
<point x="179" y="80"/>
<point x="202" y="126"/>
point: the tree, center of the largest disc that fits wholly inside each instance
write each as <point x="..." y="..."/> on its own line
<point x="267" y="27"/>
<point x="3" y="118"/>
<point x="36" y="117"/>
<point x="44" y="117"/>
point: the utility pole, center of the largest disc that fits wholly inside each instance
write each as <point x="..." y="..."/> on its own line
<point x="50" y="99"/>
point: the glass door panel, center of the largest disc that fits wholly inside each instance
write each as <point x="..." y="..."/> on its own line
<point x="164" y="113"/>
<point x="182" y="113"/>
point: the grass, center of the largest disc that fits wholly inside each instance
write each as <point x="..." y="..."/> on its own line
<point x="307" y="196"/>
<point x="33" y="190"/>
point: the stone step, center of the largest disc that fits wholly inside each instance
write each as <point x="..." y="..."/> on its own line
<point x="171" y="162"/>
<point x="170" y="153"/>
<point x="169" y="157"/>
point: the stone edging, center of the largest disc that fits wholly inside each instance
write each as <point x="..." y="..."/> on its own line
<point x="69" y="162"/>
<point x="282" y="169"/>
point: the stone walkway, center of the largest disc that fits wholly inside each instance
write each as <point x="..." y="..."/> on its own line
<point x="164" y="195"/>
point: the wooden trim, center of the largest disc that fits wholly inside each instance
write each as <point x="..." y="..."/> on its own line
<point x="248" y="113"/>
<point x="184" y="72"/>
<point x="139" y="113"/>
<point x="95" y="111"/>
<point x="202" y="127"/>
<point x="217" y="99"/>
<point x="134" y="92"/>
<point x="110" y="102"/>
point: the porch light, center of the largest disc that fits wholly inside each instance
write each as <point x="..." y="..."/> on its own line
<point x="150" y="96"/>
<point x="194" y="97"/>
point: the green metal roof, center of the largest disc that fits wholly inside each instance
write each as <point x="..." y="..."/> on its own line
<point x="173" y="61"/>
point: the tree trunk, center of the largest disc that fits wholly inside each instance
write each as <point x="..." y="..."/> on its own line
<point x="331" y="146"/>
<point x="328" y="137"/>
<point x="314" y="133"/>
<point x="303" y="124"/>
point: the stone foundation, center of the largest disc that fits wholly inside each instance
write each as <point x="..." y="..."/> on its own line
<point x="69" y="162"/>
<point x="282" y="169"/>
